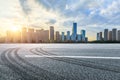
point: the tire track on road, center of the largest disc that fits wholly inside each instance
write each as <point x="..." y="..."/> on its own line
<point x="12" y="64"/>
<point x="27" y="71"/>
<point x="46" y="75"/>
<point x="5" y="74"/>
<point x="85" y="63"/>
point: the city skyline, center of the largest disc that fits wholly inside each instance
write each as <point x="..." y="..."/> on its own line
<point x="31" y="35"/>
<point x="108" y="35"/>
<point x="91" y="15"/>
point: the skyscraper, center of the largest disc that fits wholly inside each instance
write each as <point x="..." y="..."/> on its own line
<point x="114" y="34"/>
<point x="106" y="35"/>
<point x="79" y="37"/>
<point x="110" y="35"/>
<point x="63" y="36"/>
<point x="37" y="36"/>
<point x="30" y="35"/>
<point x="83" y="33"/>
<point x="24" y="35"/>
<point x="86" y="39"/>
<point x="9" y="37"/>
<point x="68" y="36"/>
<point x="101" y="36"/>
<point x="16" y="36"/>
<point x="118" y="35"/>
<point x="98" y="36"/>
<point x="45" y="35"/>
<point x="57" y="36"/>
<point x="74" y="31"/>
<point x="51" y="34"/>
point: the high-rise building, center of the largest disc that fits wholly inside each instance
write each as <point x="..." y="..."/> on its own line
<point x="101" y="36"/>
<point x="68" y="36"/>
<point x="57" y="36"/>
<point x="79" y="37"/>
<point x="114" y="34"/>
<point x="63" y="36"/>
<point x="30" y="35"/>
<point x="24" y="35"/>
<point x="41" y="35"/>
<point x="98" y="36"/>
<point x="86" y="39"/>
<point x="9" y="37"/>
<point x="106" y="35"/>
<point x="16" y="36"/>
<point x="110" y="35"/>
<point x="51" y="34"/>
<point x="83" y="33"/>
<point x="118" y="35"/>
<point x="45" y="35"/>
<point x="37" y="36"/>
<point x="74" y="31"/>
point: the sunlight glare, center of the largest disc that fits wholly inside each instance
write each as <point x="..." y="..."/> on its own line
<point x="14" y="28"/>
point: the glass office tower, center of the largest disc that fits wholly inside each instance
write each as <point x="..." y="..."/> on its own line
<point x="74" y="31"/>
<point x="83" y="33"/>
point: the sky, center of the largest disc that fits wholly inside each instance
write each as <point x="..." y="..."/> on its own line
<point x="92" y="15"/>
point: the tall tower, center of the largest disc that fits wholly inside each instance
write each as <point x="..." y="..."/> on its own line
<point x="30" y="35"/>
<point x="51" y="34"/>
<point x="79" y="37"/>
<point x="83" y="33"/>
<point x="101" y="36"/>
<point x="9" y="37"/>
<point x="114" y="34"/>
<point x="57" y="36"/>
<point x="24" y="35"/>
<point x="46" y="35"/>
<point x="74" y="31"/>
<point x="37" y="36"/>
<point x="106" y="35"/>
<point x="118" y="35"/>
<point x="110" y="35"/>
<point x="98" y="36"/>
<point x="63" y="37"/>
<point x="68" y="35"/>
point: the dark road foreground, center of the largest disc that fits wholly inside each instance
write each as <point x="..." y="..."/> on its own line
<point x="16" y="66"/>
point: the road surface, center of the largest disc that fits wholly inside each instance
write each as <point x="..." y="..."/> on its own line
<point x="15" y="65"/>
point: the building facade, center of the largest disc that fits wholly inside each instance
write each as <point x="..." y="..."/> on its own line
<point x="51" y="34"/>
<point x="74" y="31"/>
<point x="101" y="38"/>
<point x="110" y="35"/>
<point x="46" y="36"/>
<point x="106" y="35"/>
<point x="24" y="35"/>
<point x="83" y="33"/>
<point x="68" y="36"/>
<point x="57" y="36"/>
<point x="79" y="37"/>
<point x="63" y="37"/>
<point x="98" y="36"/>
<point x="118" y="35"/>
<point x="114" y="34"/>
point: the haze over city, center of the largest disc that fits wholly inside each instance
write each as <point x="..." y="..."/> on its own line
<point x="59" y="39"/>
<point x="92" y="15"/>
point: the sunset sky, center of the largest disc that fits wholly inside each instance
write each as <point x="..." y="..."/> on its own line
<point x="91" y="15"/>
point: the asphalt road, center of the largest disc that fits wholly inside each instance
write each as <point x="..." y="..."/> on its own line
<point x="17" y="67"/>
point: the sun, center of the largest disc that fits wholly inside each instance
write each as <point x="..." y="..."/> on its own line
<point x="14" y="28"/>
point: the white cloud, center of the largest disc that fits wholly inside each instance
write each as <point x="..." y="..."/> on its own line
<point x="111" y="9"/>
<point x="93" y="15"/>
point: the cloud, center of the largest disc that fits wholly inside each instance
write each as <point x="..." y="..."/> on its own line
<point x="25" y="7"/>
<point x="51" y="21"/>
<point x="92" y="15"/>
